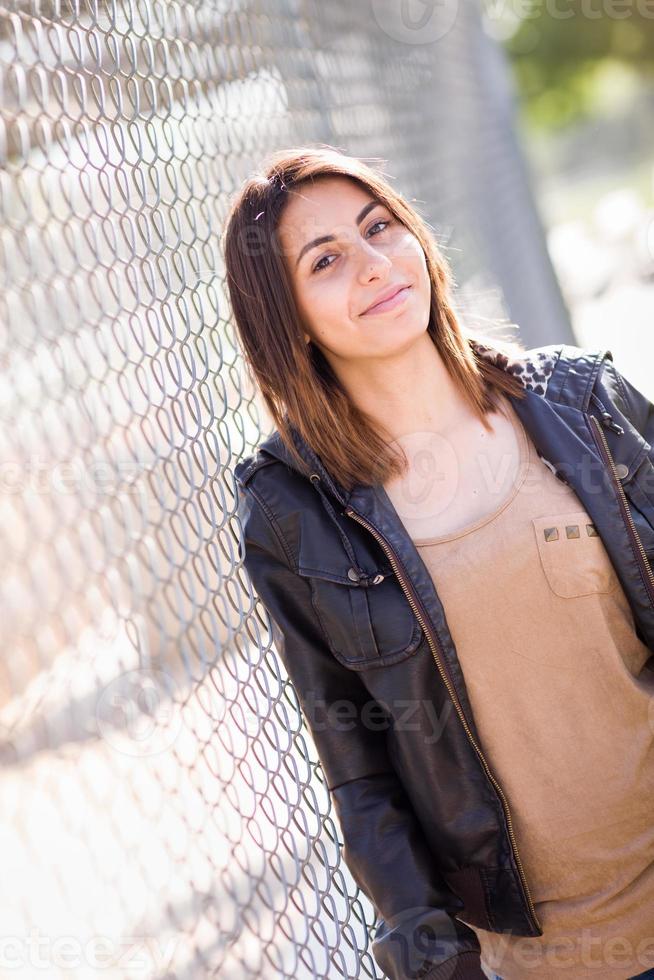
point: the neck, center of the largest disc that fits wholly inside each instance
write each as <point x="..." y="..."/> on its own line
<point x="412" y="392"/>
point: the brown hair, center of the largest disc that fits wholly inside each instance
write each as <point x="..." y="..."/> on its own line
<point x="296" y="381"/>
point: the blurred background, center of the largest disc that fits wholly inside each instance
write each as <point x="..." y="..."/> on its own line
<point x="164" y="813"/>
<point x="583" y="80"/>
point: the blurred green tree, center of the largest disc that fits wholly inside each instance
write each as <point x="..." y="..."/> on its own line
<point x="561" y="50"/>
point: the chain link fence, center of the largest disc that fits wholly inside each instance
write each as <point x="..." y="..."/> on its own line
<point x="163" y="810"/>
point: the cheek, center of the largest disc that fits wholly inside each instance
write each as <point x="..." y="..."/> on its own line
<point x="414" y="252"/>
<point x="419" y="264"/>
<point x="322" y="308"/>
<point x="408" y="252"/>
<point x="328" y="300"/>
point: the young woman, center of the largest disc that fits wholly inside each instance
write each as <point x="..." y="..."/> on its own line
<point x="454" y="540"/>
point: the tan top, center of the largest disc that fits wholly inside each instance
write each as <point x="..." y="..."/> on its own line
<point x="563" y="705"/>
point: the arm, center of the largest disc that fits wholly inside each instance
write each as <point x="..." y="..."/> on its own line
<point x="388" y="857"/>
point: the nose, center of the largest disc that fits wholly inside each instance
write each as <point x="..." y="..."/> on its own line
<point x="372" y="261"/>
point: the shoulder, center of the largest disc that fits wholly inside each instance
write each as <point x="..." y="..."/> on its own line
<point x="544" y="367"/>
<point x="246" y="468"/>
<point x="269" y="490"/>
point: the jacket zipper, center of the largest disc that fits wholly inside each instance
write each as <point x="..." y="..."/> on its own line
<point x="603" y="447"/>
<point x="434" y="643"/>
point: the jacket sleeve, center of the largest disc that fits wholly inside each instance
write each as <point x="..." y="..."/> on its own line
<point x="383" y="847"/>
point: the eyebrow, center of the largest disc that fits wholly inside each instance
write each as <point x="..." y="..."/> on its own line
<point x="330" y="238"/>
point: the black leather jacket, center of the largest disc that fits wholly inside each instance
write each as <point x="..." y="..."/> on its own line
<point x="356" y="619"/>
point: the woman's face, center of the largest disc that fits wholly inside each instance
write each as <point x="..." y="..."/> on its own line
<point x="335" y="282"/>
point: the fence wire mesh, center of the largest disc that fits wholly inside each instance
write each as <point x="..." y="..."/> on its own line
<point x="164" y="811"/>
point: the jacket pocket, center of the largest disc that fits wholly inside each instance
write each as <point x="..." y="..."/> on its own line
<point x="365" y="625"/>
<point x="573" y="556"/>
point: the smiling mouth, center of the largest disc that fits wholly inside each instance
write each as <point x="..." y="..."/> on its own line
<point x="390" y="303"/>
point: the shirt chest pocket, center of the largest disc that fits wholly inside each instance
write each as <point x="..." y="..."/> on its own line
<point x="365" y="625"/>
<point x="573" y="556"/>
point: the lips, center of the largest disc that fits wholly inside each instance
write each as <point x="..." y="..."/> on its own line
<point x="386" y="295"/>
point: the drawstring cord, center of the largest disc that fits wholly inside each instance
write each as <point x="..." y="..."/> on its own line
<point x="362" y="577"/>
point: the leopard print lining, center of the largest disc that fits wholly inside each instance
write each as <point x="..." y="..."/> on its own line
<point x="534" y="370"/>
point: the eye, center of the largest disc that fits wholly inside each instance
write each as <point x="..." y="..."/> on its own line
<point x="382" y="221"/>
<point x="319" y="268"/>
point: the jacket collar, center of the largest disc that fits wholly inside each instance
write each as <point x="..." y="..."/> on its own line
<point x="552" y="372"/>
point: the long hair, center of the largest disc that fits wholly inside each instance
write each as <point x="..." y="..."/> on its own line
<point x="296" y="381"/>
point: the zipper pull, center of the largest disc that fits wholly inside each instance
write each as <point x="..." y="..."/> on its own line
<point x="606" y="417"/>
<point x="607" y="420"/>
